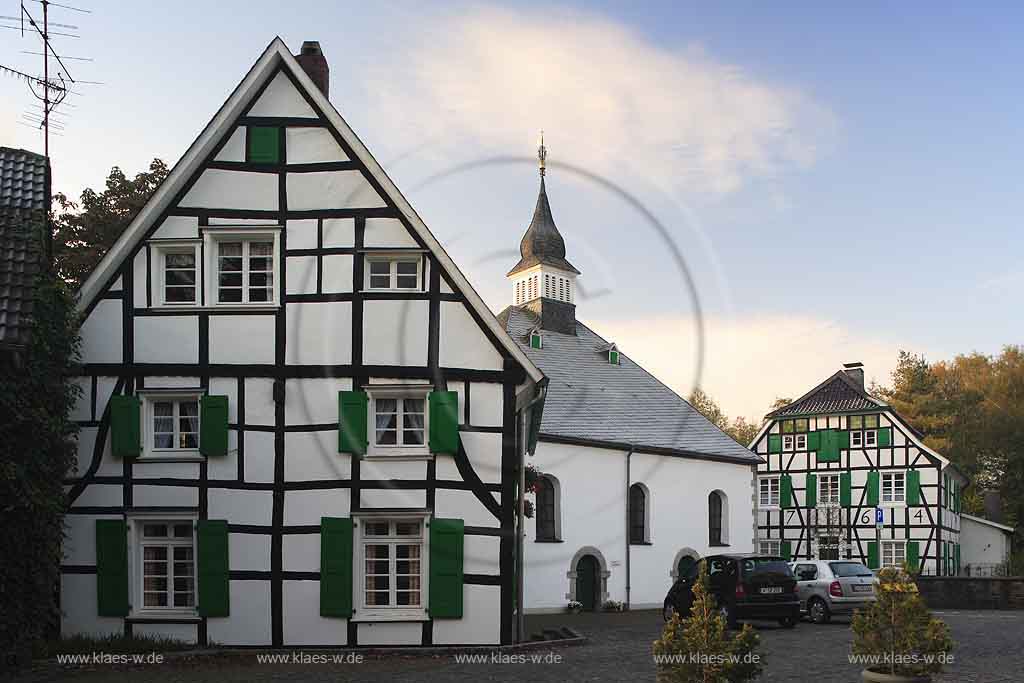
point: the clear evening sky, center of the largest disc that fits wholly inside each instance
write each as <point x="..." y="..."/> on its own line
<point x="842" y="182"/>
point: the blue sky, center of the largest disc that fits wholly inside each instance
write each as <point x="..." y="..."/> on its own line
<point x="842" y="181"/>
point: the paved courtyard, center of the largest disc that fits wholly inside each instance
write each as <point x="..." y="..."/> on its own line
<point x="988" y="649"/>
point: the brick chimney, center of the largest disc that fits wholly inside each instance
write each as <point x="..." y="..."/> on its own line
<point x="855" y="371"/>
<point x="311" y="59"/>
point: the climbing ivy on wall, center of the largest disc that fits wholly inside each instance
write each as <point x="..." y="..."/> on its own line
<point x="36" y="453"/>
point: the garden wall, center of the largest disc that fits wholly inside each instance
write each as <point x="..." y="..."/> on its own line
<point x="972" y="592"/>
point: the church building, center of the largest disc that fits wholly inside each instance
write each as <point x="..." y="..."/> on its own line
<point x="299" y="422"/>
<point x="636" y="484"/>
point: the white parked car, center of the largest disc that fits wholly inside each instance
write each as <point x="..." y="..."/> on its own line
<point x="829" y="587"/>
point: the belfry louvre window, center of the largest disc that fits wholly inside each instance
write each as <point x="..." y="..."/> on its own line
<point x="389" y="273"/>
<point x="245" y="271"/>
<point x="168" y="569"/>
<point x="392" y="553"/>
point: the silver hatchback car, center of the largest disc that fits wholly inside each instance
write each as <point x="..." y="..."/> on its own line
<point x="830" y="587"/>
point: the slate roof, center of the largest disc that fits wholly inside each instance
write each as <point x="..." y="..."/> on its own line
<point x="23" y="202"/>
<point x="837" y="394"/>
<point x="590" y="399"/>
<point x="542" y="243"/>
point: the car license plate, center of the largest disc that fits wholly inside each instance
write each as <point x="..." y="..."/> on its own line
<point x="862" y="588"/>
<point x="772" y="589"/>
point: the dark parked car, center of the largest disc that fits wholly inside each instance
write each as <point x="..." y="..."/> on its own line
<point x="745" y="586"/>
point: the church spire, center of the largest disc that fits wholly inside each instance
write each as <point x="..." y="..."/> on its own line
<point x="542" y="154"/>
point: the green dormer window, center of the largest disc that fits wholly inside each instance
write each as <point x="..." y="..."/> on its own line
<point x="613" y="357"/>
<point x="536" y="341"/>
<point x="262" y="145"/>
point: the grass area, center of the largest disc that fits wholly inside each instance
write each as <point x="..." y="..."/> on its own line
<point x="114" y="643"/>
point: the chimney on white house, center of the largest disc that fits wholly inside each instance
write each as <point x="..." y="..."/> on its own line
<point x="855" y="371"/>
<point x="311" y="59"/>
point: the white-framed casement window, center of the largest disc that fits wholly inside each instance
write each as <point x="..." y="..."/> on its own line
<point x="870" y="438"/>
<point x="170" y="427"/>
<point x="244" y="267"/>
<point x="893" y="553"/>
<point x="765" y="547"/>
<point x="768" y="492"/>
<point x="894" y="488"/>
<point x="828" y="489"/>
<point x="398" y="419"/>
<point x="162" y="559"/>
<point x="390" y="272"/>
<point x="856" y="439"/>
<point x="391" y="561"/>
<point x="787" y="442"/>
<point x="178" y="275"/>
<point x="801" y="442"/>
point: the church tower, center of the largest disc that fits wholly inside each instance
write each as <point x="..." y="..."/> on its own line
<point x="544" y="281"/>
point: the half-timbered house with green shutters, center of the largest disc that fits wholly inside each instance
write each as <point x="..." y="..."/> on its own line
<point x="298" y="419"/>
<point x="834" y="459"/>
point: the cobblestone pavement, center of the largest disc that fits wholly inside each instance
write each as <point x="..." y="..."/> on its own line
<point x="988" y="649"/>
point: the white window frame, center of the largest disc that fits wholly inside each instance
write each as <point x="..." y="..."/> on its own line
<point x="136" y="522"/>
<point x="856" y="439"/>
<point x="214" y="236"/>
<point x="801" y="441"/>
<point x="888" y="555"/>
<point x="393" y="259"/>
<point x="761" y="490"/>
<point x="397" y="392"/>
<point x="149" y="398"/>
<point x="160" y="251"/>
<point x="787" y="442"/>
<point x="870" y="438"/>
<point x="828" y="495"/>
<point x="769" y="546"/>
<point x="892" y="500"/>
<point x="391" y="612"/>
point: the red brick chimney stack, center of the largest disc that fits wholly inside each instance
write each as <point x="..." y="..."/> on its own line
<point x="311" y="59"/>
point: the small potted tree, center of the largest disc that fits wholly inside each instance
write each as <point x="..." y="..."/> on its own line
<point x="898" y="633"/>
<point x="698" y="649"/>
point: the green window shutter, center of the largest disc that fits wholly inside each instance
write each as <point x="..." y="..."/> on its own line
<point x="213" y="425"/>
<point x="872" y="486"/>
<point x="843" y="439"/>
<point x="811" y="486"/>
<point x="125" y="425"/>
<point x="913" y="487"/>
<point x="336" y="567"/>
<point x="829" y="450"/>
<point x="774" y="443"/>
<point x="813" y="441"/>
<point x="873" y="562"/>
<point x="786" y="550"/>
<point x="446" y="540"/>
<point x="444" y="421"/>
<point x="785" y="491"/>
<point x="845" y="496"/>
<point x="885" y="437"/>
<point x="263" y="144"/>
<point x="945" y="558"/>
<point x="353" y="409"/>
<point x="535" y="341"/>
<point x="613" y="357"/>
<point x="956" y="563"/>
<point x="913" y="555"/>
<point x="111" y="568"/>
<point x="214" y="586"/>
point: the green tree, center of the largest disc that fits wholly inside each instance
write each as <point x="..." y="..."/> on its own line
<point x="85" y="231"/>
<point x="742" y="431"/>
<point x="36" y="454"/>
<point x="698" y="649"/>
<point x="707" y="407"/>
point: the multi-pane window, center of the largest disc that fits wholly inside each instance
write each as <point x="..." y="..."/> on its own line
<point x="870" y="437"/>
<point x="893" y="553"/>
<point x="828" y="489"/>
<point x="167" y="552"/>
<point x="768" y="548"/>
<point x="856" y="439"/>
<point x="801" y="442"/>
<point x="787" y="442"/>
<point x="180" y="277"/>
<point x="545" y="494"/>
<point x="175" y="424"/>
<point x="245" y="271"/>
<point x="768" y="491"/>
<point x="637" y="514"/>
<point x="399" y="421"/>
<point x="393" y="273"/>
<point x="894" y="487"/>
<point x="392" y="563"/>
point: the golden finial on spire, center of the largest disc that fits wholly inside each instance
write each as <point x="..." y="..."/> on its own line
<point x="542" y="153"/>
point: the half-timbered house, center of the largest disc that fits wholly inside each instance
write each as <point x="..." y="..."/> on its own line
<point x="846" y="477"/>
<point x="298" y="419"/>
